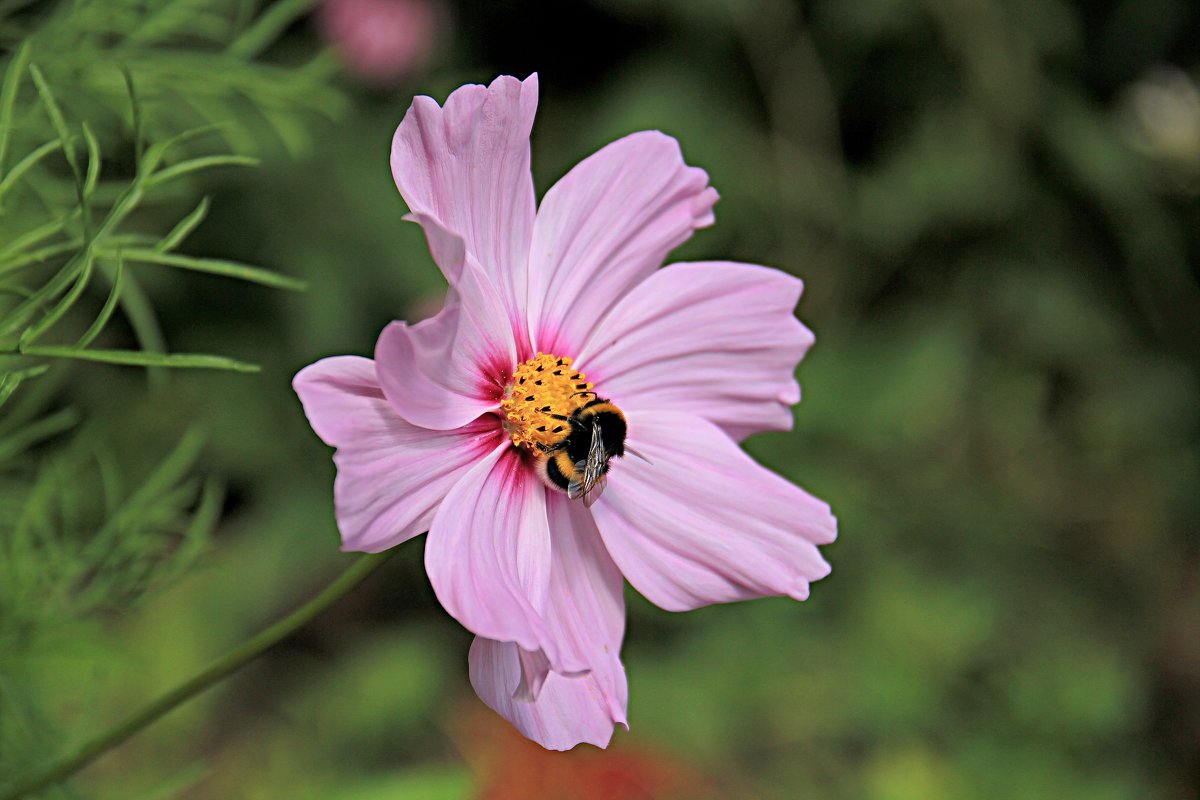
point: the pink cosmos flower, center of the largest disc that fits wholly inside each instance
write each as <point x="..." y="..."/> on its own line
<point x="549" y="309"/>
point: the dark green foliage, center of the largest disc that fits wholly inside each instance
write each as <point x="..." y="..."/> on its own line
<point x="111" y="113"/>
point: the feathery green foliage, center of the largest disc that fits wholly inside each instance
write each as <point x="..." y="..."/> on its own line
<point x="112" y="113"/>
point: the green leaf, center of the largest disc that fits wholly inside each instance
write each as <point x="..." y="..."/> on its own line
<point x="93" y="170"/>
<point x="25" y="164"/>
<point x="36" y="235"/>
<point x="18" y="317"/>
<point x="139" y="358"/>
<point x="34" y="332"/>
<point x="197" y="164"/>
<point x="173" y="469"/>
<point x="16" y="262"/>
<point x="156" y="152"/>
<point x="140" y="314"/>
<point x="28" y="435"/>
<point x="171" y="20"/>
<point x="8" y="98"/>
<point x="295" y="137"/>
<point x="10" y="381"/>
<point x="68" y="145"/>
<point x="215" y="266"/>
<point x="16" y="291"/>
<point x="56" y="119"/>
<point x="109" y="306"/>
<point x="203" y="523"/>
<point x="267" y="27"/>
<point x="34" y="401"/>
<point x="184" y="228"/>
<point x="139" y="141"/>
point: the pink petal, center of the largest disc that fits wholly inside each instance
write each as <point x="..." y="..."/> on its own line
<point x="535" y="668"/>
<point x="488" y="555"/>
<point x="391" y="475"/>
<point x="447" y="248"/>
<point x="568" y="710"/>
<point x="700" y="522"/>
<point x="465" y="166"/>
<point x="445" y="371"/>
<point x="715" y="339"/>
<point x="586" y="612"/>
<point x="604" y="228"/>
<point x="585" y="605"/>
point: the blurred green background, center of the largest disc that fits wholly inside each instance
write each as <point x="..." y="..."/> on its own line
<point x="994" y="207"/>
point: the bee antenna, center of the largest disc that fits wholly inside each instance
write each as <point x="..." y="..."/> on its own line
<point x="576" y="394"/>
<point x="633" y="452"/>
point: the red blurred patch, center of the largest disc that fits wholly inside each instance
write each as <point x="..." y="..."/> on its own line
<point x="510" y="767"/>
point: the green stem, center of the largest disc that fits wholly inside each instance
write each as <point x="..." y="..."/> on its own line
<point x="220" y="669"/>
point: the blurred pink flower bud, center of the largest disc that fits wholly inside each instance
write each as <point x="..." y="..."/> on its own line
<point x="380" y="40"/>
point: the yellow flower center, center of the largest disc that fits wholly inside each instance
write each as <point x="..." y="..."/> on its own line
<point x="545" y="390"/>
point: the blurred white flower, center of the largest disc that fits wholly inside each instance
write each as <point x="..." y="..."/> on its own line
<point x="1161" y="114"/>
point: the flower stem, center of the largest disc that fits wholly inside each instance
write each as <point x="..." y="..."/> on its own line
<point x="220" y="669"/>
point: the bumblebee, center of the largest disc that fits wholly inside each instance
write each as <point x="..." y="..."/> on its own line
<point x="578" y="462"/>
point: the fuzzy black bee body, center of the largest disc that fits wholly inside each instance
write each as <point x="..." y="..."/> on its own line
<point x="578" y="462"/>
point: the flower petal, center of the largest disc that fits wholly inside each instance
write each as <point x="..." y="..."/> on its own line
<point x="700" y="522"/>
<point x="445" y="371"/>
<point x="586" y="611"/>
<point x="715" y="339"/>
<point x="391" y="475"/>
<point x="488" y="555"/>
<point x="568" y="710"/>
<point x="604" y="228"/>
<point x="586" y="604"/>
<point x="465" y="166"/>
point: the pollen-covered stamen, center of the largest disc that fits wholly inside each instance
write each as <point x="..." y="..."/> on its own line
<point x="544" y="392"/>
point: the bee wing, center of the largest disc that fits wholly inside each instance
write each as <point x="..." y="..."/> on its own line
<point x="597" y="490"/>
<point x="590" y="485"/>
<point x="590" y="494"/>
